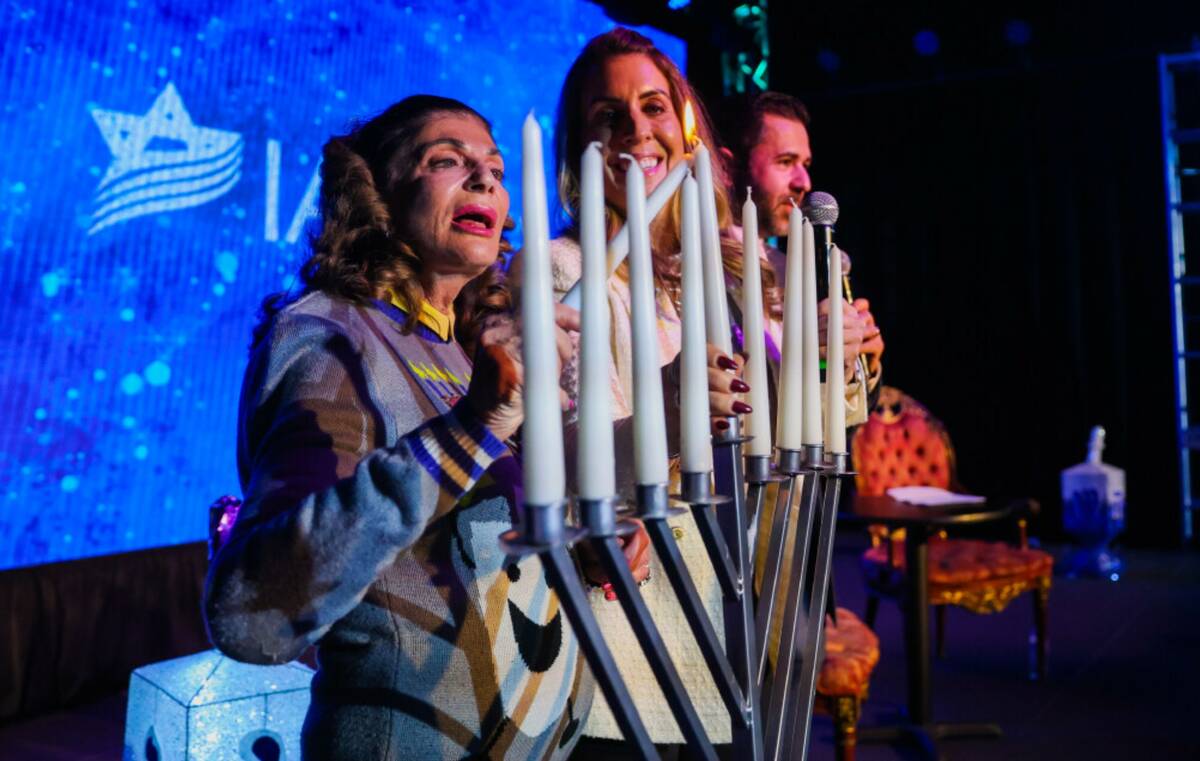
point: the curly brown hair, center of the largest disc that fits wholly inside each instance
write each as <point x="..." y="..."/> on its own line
<point x="358" y="254"/>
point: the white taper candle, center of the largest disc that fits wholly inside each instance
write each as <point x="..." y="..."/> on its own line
<point x="788" y="427"/>
<point x="716" y="310"/>
<point x="835" y="371"/>
<point x="758" y="422"/>
<point x="695" y="436"/>
<point x="813" y="432"/>
<point x="541" y="440"/>
<point x="595" y="466"/>
<point x="649" y="421"/>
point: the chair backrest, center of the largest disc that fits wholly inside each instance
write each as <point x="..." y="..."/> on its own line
<point x="901" y="444"/>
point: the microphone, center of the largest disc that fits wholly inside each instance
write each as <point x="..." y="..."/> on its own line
<point x="822" y="210"/>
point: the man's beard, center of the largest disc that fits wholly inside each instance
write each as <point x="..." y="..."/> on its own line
<point x="772" y="221"/>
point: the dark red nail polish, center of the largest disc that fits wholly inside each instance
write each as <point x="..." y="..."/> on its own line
<point x="742" y="408"/>
<point x="725" y="363"/>
<point x="738" y="386"/>
<point x="722" y="425"/>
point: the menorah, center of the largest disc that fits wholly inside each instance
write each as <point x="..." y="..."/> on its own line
<point x="723" y="486"/>
<point x="770" y="709"/>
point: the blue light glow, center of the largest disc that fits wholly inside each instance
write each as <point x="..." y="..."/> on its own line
<point x="926" y="43"/>
<point x="1018" y="33"/>
<point x="166" y="174"/>
<point x="828" y="60"/>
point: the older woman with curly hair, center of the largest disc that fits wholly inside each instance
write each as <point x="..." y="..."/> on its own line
<point x="377" y="480"/>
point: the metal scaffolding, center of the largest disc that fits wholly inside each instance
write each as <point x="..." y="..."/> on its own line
<point x="1179" y="79"/>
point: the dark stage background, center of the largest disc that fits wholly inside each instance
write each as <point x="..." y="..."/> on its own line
<point x="1003" y="201"/>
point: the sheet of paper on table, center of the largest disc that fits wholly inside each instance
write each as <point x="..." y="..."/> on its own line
<point x="931" y="496"/>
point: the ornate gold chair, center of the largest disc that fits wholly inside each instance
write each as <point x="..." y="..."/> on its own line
<point x="902" y="444"/>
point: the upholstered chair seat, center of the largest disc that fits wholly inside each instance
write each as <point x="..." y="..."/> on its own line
<point x="980" y="576"/>
<point x="902" y="444"/>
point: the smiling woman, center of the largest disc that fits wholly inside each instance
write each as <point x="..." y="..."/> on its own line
<point x="628" y="96"/>
<point x="377" y="478"/>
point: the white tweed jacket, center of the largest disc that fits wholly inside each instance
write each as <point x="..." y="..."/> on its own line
<point x="566" y="265"/>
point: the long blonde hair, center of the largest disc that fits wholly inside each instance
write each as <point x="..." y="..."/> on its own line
<point x="568" y="143"/>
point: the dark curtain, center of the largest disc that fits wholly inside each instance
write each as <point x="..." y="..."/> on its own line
<point x="74" y="631"/>
<point x="1007" y="223"/>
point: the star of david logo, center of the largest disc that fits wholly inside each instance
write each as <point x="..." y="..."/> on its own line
<point x="161" y="161"/>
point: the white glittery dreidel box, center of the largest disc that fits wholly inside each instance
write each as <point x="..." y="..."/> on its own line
<point x="206" y="707"/>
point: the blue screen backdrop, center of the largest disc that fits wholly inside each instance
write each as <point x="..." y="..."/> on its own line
<point x="157" y="181"/>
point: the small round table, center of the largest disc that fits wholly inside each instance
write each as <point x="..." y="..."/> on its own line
<point x="920" y="522"/>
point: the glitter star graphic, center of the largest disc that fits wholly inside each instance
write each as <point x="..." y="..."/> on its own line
<point x="162" y="161"/>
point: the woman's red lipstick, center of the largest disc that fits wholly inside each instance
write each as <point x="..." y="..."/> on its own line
<point x="475" y="219"/>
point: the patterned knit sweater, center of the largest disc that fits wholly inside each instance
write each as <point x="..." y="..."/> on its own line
<point x="373" y="505"/>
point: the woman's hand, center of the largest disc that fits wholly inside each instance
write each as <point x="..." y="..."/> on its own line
<point x="636" y="547"/>
<point x="498" y="377"/>
<point x="853" y="331"/>
<point x="725" y="384"/>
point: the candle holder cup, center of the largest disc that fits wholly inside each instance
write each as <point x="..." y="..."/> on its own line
<point x="790" y="462"/>
<point x="731" y="435"/>
<point x="542" y="527"/>
<point x="758" y="470"/>
<point x="653" y="502"/>
<point x="813" y="455"/>
<point x="601" y="518"/>
<point x="696" y="489"/>
<point x="838" y="463"/>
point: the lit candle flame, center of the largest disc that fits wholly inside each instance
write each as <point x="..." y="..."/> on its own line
<point x="690" y="134"/>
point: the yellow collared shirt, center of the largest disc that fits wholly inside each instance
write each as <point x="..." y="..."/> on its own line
<point x="430" y="316"/>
